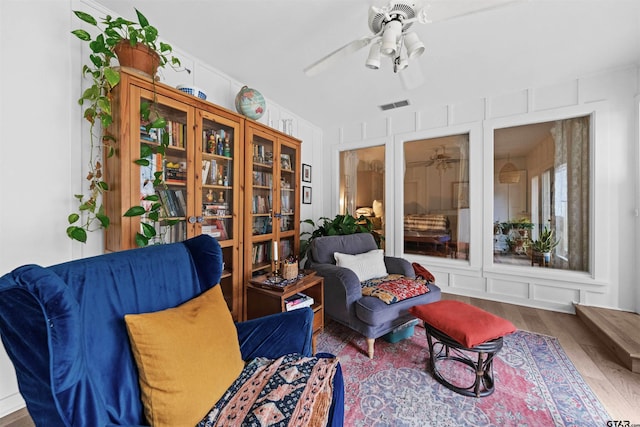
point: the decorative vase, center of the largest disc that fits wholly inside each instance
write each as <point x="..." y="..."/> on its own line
<point x="139" y="57"/>
<point x="547" y="257"/>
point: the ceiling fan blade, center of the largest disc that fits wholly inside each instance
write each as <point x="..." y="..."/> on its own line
<point x="411" y="77"/>
<point x="438" y="11"/>
<point x="324" y="63"/>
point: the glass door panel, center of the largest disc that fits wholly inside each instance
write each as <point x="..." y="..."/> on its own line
<point x="262" y="189"/>
<point x="166" y="179"/>
<point x="218" y="172"/>
<point x="288" y="188"/>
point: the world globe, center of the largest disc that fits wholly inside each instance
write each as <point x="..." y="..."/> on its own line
<point x="250" y="103"/>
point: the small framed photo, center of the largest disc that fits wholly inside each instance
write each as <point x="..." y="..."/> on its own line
<point x="306" y="195"/>
<point x="306" y="173"/>
<point x="285" y="161"/>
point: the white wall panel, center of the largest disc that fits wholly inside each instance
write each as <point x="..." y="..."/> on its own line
<point x="467" y="112"/>
<point x="555" y="96"/>
<point x="508" y="104"/>
<point x="376" y="129"/>
<point x="433" y="118"/>
<point x="509" y="288"/>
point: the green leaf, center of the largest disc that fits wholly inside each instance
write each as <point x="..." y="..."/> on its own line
<point x="150" y="33"/>
<point x="148" y="230"/>
<point x="77" y="233"/>
<point x="104" y="220"/>
<point x="141" y="240"/>
<point x="135" y="211"/>
<point x="85" y="17"/>
<point x="154" y="216"/>
<point x="82" y="35"/>
<point x="111" y="152"/>
<point x="152" y="197"/>
<point x="142" y="20"/>
<point x="159" y="123"/>
<point x="142" y="162"/>
<point x="145" y="110"/>
<point x="104" y="104"/>
<point x="112" y="76"/>
<point x="145" y="151"/>
<point x="73" y="218"/>
<point x="172" y="222"/>
<point x="103" y="185"/>
<point x="164" y="47"/>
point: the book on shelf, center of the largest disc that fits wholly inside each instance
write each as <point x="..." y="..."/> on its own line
<point x="297" y="301"/>
<point x="205" y="171"/>
<point x="216" y="230"/>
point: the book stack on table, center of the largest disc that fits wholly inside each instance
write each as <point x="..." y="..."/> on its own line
<point x="297" y="301"/>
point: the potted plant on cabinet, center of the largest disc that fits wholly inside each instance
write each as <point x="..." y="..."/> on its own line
<point x="115" y="37"/>
<point x="544" y="245"/>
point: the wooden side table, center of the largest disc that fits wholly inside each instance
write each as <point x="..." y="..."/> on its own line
<point x="262" y="300"/>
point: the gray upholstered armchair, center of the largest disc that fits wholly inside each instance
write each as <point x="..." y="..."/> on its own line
<point x="344" y="301"/>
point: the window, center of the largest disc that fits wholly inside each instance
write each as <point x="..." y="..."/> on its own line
<point x="362" y="184"/>
<point x="541" y="185"/>
<point x="436" y="197"/>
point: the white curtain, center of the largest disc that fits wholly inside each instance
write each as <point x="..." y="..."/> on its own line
<point x="350" y="180"/>
<point x="570" y="217"/>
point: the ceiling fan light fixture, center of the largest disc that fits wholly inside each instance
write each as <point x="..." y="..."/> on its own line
<point x="373" y="60"/>
<point x="401" y="62"/>
<point x="414" y="45"/>
<point x="392" y="31"/>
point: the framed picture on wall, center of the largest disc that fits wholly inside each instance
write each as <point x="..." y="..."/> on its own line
<point x="460" y="194"/>
<point x="306" y="173"/>
<point x="306" y="195"/>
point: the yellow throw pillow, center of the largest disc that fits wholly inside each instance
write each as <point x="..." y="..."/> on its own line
<point x="187" y="357"/>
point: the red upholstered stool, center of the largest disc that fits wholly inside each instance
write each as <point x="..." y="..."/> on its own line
<point x="456" y="331"/>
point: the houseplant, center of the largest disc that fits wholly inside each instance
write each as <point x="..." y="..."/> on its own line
<point x="339" y="225"/>
<point x="545" y="244"/>
<point x="114" y="34"/>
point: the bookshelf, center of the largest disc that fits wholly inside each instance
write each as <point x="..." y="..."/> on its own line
<point x="202" y="174"/>
<point x="271" y="198"/>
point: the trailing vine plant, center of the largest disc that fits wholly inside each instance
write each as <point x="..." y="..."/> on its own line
<point x="90" y="214"/>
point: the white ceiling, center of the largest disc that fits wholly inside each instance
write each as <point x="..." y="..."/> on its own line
<point x="267" y="44"/>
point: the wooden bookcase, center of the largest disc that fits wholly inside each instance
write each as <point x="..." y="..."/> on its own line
<point x="271" y="199"/>
<point x="203" y="190"/>
<point x="207" y="189"/>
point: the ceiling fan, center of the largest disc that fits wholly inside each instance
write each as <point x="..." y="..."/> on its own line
<point x="439" y="158"/>
<point x="390" y="35"/>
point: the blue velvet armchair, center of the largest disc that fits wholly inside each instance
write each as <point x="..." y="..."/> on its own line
<point x="64" y="331"/>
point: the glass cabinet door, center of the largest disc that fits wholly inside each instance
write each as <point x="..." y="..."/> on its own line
<point x="165" y="180"/>
<point x="261" y="203"/>
<point x="287" y="209"/>
<point x="218" y="164"/>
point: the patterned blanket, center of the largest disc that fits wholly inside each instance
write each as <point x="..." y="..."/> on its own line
<point x="394" y="288"/>
<point x="289" y="391"/>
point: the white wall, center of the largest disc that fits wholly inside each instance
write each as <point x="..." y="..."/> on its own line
<point x="611" y="98"/>
<point x="41" y="126"/>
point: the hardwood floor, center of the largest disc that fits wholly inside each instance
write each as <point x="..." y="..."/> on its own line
<point x="617" y="387"/>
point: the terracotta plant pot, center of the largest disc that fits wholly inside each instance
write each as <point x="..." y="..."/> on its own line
<point x="139" y="57"/>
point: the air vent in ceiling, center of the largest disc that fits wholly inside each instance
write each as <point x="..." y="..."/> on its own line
<point x="393" y="105"/>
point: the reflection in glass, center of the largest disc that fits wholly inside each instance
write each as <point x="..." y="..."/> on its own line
<point x="542" y="217"/>
<point x="362" y="184"/>
<point x="436" y="197"/>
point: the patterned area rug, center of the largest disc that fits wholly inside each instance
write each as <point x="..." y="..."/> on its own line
<point x="536" y="385"/>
